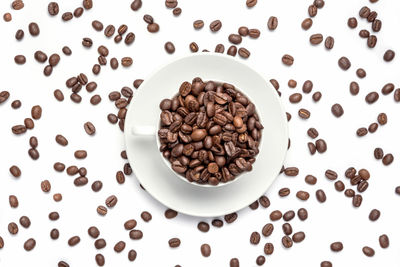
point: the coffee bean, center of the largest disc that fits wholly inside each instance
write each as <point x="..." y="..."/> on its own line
<point x="87" y="4"/>
<point x="19" y="35"/>
<point x="40" y="56"/>
<point x="57" y="197"/>
<point x="13" y="200"/>
<point x="316" y="39"/>
<point x="287" y="241"/>
<point x="372" y="40"/>
<point x="382" y="118"/>
<point x="384" y="241"/>
<point x="203" y="227"/>
<point x="284" y="192"/>
<point x="302" y="195"/>
<point x="171" y="3"/>
<point x="215" y="25"/>
<point x="67" y="16"/>
<point x="100" y="260"/>
<point x="34" y="29"/>
<point x="272" y="23"/>
<point x="174" y="242"/>
<point x="368" y="251"/>
<point x="54" y="216"/>
<point x="135" y="234"/>
<point x="13" y="228"/>
<point x="317" y="96"/>
<point x="329" y="42"/>
<point x="20" y="59"/>
<point x="234" y="262"/>
<point x="337" y="246"/>
<point x="96" y="99"/>
<point x="275" y="215"/>
<point x="153" y="27"/>
<point x="148" y="19"/>
<point x="396" y="95"/>
<point x="326" y="264"/>
<point x="264" y="201"/>
<point x="310" y="179"/>
<point x="87" y="42"/>
<point x="205" y="250"/>
<point x="66" y="50"/>
<point x="54" y="234"/>
<point x="363" y="33"/>
<point x="235" y="38"/>
<point x="352" y="22"/>
<point x="81" y="181"/>
<point x="61" y="140"/>
<point x="372" y="16"/>
<point x="146" y="216"/>
<point x="312" y="10"/>
<point x="287" y="60"/>
<point x="344" y="63"/>
<point x="291" y="171"/>
<point x="331" y="175"/>
<point x="269" y="228"/>
<point x="7" y="17"/>
<point x="136" y="5"/>
<point x="376" y="25"/>
<point x="357" y="200"/>
<point x="198" y="24"/>
<point x="251" y="3"/>
<point x="119" y="246"/>
<point x="320" y="194"/>
<point x="304" y="113"/>
<point x="177" y="11"/>
<point x="111" y="201"/>
<point x="36" y="112"/>
<point x="129" y="38"/>
<point x="337" y="110"/>
<point x="371" y="97"/>
<point x="244" y="53"/>
<point x="339" y="186"/>
<point x="255" y="238"/>
<point x="292" y="83"/>
<point x="29" y="244"/>
<point x="169" y="47"/>
<point x="25" y="221"/>
<point x="389" y="55"/>
<point x="80" y="154"/>
<point x="374" y="215"/>
<point x="62" y="264"/>
<point x="232" y="50"/>
<point x="15" y="171"/>
<point x="230" y="218"/>
<point x="307" y="23"/>
<point x="302" y="214"/>
<point x="130" y="224"/>
<point x="387" y="88"/>
<point x="387" y="159"/>
<point x="378" y="153"/>
<point x="78" y="12"/>
<point x="93" y="231"/>
<point x="53" y="8"/>
<point x="33" y="153"/>
<point x="364" y="12"/>
<point x="268" y="248"/>
<point x="101" y="210"/>
<point x="126" y="61"/>
<point x="298" y="237"/>
<point x="89" y="128"/>
<point x="122" y="29"/>
<point x="260" y="260"/>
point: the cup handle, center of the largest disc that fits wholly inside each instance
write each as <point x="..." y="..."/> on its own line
<point x="143" y="130"/>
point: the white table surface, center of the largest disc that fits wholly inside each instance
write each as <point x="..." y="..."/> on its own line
<point x="335" y="220"/>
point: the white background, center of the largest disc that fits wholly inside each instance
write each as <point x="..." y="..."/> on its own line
<point x="335" y="220"/>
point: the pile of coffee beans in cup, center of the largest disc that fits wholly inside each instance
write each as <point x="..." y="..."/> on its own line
<point x="209" y="132"/>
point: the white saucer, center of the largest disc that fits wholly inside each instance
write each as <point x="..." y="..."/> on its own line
<point x="160" y="181"/>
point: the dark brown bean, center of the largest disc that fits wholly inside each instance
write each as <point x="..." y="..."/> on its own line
<point x="344" y="63"/>
<point x="307" y="23"/>
<point x="272" y="23"/>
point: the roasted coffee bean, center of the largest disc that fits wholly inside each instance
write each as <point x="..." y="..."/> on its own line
<point x="126" y="61"/>
<point x="251" y="3"/>
<point x="364" y="12"/>
<point x="376" y="25"/>
<point x="292" y="83"/>
<point x="344" y="63"/>
<point x="372" y="16"/>
<point x="291" y="171"/>
<point x="146" y="216"/>
<point x="368" y="251"/>
<point x="320" y="194"/>
<point x="67" y="16"/>
<point x="371" y="97"/>
<point x="374" y="215"/>
<point x="177" y="11"/>
<point x="255" y="238"/>
<point x="230" y="218"/>
<point x="122" y="29"/>
<point x="287" y="241"/>
<point x="357" y="199"/>
<point x="7" y="17"/>
<point x="66" y="50"/>
<point x="57" y="197"/>
<point x="215" y="25"/>
<point x="396" y="95"/>
<point x="193" y="47"/>
<point x="217" y="223"/>
<point x="352" y="22"/>
<point x="97" y="25"/>
<point x="33" y="153"/>
<point x="25" y="221"/>
<point x="310" y="179"/>
<point x="260" y="260"/>
<point x="298" y="237"/>
<point x="326" y="264"/>
<point x="94" y="232"/>
<point x="20" y="59"/>
<point x="153" y="27"/>
<point x="232" y="50"/>
<point x="372" y="40"/>
<point x="387" y="88"/>
<point x="205" y="250"/>
<point x="129" y="38"/>
<point x="87" y="4"/>
<point x="312" y="10"/>
<point x="284" y="192"/>
<point x="119" y="246"/>
<point x="169" y="47"/>
<point x="80" y="154"/>
<point x="337" y="110"/>
<point x="87" y="42"/>
<point x="382" y="118"/>
<point x="80" y="181"/>
<point x="174" y="242"/>
<point x="268" y="248"/>
<point x="54" y="216"/>
<point x="302" y="214"/>
<point x="387" y="159"/>
<point x="15" y="171"/>
<point x="89" y="128"/>
<point x="304" y="113"/>
<point x="111" y="201"/>
<point x="235" y="38"/>
<point x="389" y="55"/>
<point x="339" y="186"/>
<point x="287" y="60"/>
<point x="287" y="229"/>
<point x="272" y="23"/>
<point x="307" y="23"/>
<point x="354" y="88"/>
<point x="33" y="28"/>
<point x="136" y="5"/>
<point x="329" y="42"/>
<point x="384" y="241"/>
<point x="13" y="200"/>
<point x="100" y="260"/>
<point x="198" y="24"/>
<point x="337" y="246"/>
<point x="264" y="201"/>
<point x="234" y="262"/>
<point x="316" y="39"/>
<point x="36" y="112"/>
<point x="54" y="234"/>
<point x="219" y="48"/>
<point x="362" y="131"/>
<point x="109" y="31"/>
<point x="331" y="175"/>
<point x="73" y="241"/>
<point x="19" y="35"/>
<point x="378" y="153"/>
<point x="61" y="140"/>
<point x="244" y="53"/>
<point x="171" y="3"/>
<point x="135" y="234"/>
<point x="62" y="264"/>
<point x="363" y="33"/>
<point x="78" y="12"/>
<point x="269" y="228"/>
<point x="169" y="214"/>
<point x="101" y="210"/>
<point x="203" y="227"/>
<point x="96" y="99"/>
<point x="53" y="8"/>
<point x="317" y="96"/>
<point x="40" y="56"/>
<point x="361" y="73"/>
<point x="29" y="244"/>
<point x="302" y="195"/>
<point x="275" y="215"/>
